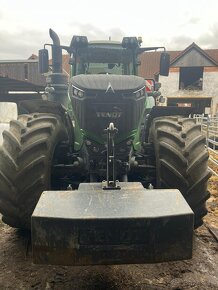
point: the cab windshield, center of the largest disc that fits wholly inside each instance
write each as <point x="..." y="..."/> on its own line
<point x="103" y="60"/>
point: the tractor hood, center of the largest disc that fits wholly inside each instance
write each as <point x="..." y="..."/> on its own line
<point x="107" y="83"/>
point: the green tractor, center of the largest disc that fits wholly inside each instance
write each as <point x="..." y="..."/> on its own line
<point x="121" y="182"/>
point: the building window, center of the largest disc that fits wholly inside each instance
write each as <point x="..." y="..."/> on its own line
<point x="191" y="78"/>
<point x="26" y="71"/>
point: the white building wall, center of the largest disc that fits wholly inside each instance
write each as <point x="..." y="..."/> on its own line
<point x="170" y="84"/>
<point x="170" y="88"/>
<point x="8" y="112"/>
<point x="210" y="87"/>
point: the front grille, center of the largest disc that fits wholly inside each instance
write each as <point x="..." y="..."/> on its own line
<point x="94" y="113"/>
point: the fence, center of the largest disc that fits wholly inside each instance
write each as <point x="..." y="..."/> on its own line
<point x="209" y="126"/>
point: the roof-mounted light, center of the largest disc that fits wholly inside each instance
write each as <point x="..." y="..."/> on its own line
<point x="130" y="42"/>
<point x="79" y="41"/>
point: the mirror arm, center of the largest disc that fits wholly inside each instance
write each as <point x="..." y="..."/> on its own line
<point x="67" y="48"/>
<point x="143" y="49"/>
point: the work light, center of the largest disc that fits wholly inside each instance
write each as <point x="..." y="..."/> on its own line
<point x="79" y="41"/>
<point x="130" y="42"/>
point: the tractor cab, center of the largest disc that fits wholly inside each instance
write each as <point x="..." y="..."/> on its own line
<point x="109" y="57"/>
<point x="102" y="58"/>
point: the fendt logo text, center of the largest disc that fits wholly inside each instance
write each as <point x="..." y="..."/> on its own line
<point x="113" y="115"/>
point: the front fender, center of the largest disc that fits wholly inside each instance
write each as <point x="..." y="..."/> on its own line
<point x="41" y="106"/>
<point x="161" y="111"/>
<point x="50" y="107"/>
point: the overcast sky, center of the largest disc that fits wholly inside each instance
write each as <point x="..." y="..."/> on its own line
<point x="24" y="24"/>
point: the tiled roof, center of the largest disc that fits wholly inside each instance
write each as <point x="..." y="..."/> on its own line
<point x="150" y="62"/>
<point x="33" y="56"/>
<point x="213" y="53"/>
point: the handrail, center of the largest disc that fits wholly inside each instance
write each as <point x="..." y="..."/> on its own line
<point x="209" y="127"/>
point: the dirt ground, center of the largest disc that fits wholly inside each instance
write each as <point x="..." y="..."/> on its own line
<point x="201" y="272"/>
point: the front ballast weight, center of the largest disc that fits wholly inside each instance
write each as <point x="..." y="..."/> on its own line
<point x="97" y="225"/>
<point x="92" y="226"/>
<point x="111" y="170"/>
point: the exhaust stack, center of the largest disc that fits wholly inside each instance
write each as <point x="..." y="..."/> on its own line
<point x="56" y="52"/>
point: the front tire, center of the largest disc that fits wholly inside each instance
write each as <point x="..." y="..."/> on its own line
<point x="181" y="160"/>
<point x="26" y="158"/>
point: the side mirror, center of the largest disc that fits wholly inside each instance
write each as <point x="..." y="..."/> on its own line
<point x="43" y="61"/>
<point x="164" y="64"/>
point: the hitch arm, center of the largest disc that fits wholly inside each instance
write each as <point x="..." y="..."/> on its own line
<point x="111" y="132"/>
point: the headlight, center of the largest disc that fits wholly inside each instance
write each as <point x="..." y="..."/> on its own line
<point x="78" y="92"/>
<point x="88" y="142"/>
<point x="140" y="93"/>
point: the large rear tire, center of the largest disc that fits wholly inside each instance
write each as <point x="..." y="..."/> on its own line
<point x="181" y="160"/>
<point x="26" y="158"/>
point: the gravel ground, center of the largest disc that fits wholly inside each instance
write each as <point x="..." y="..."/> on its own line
<point x="201" y="272"/>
